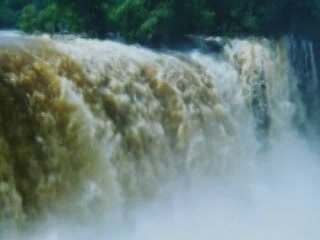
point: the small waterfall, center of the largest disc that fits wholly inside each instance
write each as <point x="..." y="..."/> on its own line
<point x="305" y="71"/>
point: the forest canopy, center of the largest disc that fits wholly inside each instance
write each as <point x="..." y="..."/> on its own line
<point x="162" y="20"/>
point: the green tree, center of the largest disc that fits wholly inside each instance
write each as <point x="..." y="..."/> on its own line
<point x="70" y="21"/>
<point x="127" y="16"/>
<point x="28" y="18"/>
<point x="91" y="13"/>
<point x="48" y="18"/>
<point x="156" y="25"/>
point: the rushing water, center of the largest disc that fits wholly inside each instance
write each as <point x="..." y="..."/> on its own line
<point x="101" y="140"/>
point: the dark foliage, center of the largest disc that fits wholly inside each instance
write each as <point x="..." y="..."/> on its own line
<point x="163" y="20"/>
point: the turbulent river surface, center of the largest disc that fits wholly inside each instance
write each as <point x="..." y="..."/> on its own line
<point x="102" y="140"/>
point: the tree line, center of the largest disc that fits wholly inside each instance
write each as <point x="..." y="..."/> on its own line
<point x="162" y="20"/>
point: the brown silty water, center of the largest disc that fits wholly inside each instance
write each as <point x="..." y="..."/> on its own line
<point x="89" y="126"/>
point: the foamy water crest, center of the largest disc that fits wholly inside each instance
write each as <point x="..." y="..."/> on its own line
<point x="101" y="140"/>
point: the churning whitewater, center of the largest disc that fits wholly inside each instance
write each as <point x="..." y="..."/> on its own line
<point x="102" y="140"/>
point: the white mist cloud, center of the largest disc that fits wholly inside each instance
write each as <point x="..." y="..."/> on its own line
<point x="278" y="200"/>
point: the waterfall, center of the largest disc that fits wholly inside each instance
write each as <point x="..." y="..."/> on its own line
<point x="103" y="132"/>
<point x="304" y="67"/>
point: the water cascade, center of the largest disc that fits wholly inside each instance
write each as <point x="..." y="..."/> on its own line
<point x="183" y="145"/>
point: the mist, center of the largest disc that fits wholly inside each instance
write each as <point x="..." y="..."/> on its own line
<point x="278" y="198"/>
